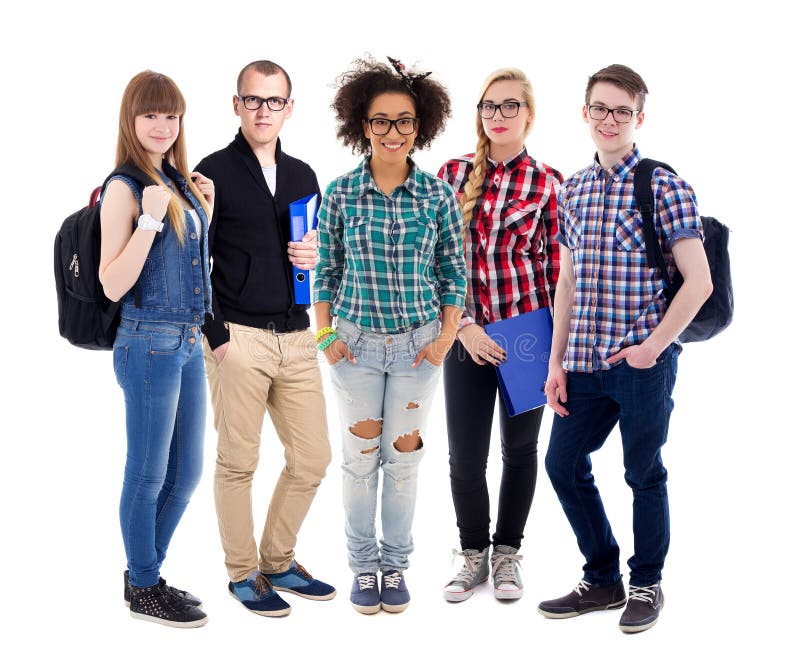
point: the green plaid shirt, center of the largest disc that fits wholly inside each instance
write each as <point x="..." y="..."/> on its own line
<point x="390" y="263"/>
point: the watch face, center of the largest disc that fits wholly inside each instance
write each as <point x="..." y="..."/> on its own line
<point x="148" y="222"/>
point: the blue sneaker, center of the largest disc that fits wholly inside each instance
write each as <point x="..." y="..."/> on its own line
<point x="394" y="593"/>
<point x="364" y="595"/>
<point x="297" y="580"/>
<point x="256" y="594"/>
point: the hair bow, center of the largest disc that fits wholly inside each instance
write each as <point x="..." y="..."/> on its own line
<point x="408" y="78"/>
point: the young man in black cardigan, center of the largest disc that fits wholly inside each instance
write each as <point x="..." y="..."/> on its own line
<point x="260" y="353"/>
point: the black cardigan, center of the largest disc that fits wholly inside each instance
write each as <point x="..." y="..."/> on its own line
<point x="251" y="277"/>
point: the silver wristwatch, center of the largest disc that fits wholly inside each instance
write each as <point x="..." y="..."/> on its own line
<point x="147" y="221"/>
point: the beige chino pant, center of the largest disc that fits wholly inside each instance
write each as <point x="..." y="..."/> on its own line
<point x="264" y="371"/>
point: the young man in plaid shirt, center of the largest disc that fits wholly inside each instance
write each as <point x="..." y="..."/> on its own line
<point x="614" y="352"/>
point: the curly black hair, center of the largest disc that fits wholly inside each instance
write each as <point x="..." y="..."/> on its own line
<point x="365" y="81"/>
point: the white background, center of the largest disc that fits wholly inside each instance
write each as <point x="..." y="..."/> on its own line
<point x="722" y="110"/>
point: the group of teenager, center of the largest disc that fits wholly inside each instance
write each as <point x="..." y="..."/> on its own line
<point x="409" y="268"/>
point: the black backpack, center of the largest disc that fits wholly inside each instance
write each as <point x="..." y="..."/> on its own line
<point x="86" y="317"/>
<point x="717" y="312"/>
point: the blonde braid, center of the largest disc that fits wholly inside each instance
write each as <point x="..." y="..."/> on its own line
<point x="474" y="187"/>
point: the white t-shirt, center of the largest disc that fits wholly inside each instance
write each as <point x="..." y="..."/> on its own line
<point x="196" y="221"/>
<point x="270" y="174"/>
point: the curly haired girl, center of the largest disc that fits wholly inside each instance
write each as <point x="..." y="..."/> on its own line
<point x="392" y="272"/>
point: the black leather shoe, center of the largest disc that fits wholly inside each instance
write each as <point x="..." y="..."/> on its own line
<point x="185" y="596"/>
<point x="156" y="604"/>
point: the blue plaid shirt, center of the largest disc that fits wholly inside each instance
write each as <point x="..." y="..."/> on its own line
<point x="390" y="263"/>
<point x="618" y="298"/>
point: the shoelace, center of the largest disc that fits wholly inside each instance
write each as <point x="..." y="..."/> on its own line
<point x="262" y="587"/>
<point x="392" y="580"/>
<point x="643" y="594"/>
<point x="583" y="585"/>
<point x="366" y="581"/>
<point x="303" y="572"/>
<point x="503" y="568"/>
<point x="173" y="594"/>
<point x="471" y="564"/>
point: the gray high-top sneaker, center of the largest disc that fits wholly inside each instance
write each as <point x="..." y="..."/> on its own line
<point x="506" y="574"/>
<point x="474" y="572"/>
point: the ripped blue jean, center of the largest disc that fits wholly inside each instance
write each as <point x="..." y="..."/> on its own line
<point x="383" y="387"/>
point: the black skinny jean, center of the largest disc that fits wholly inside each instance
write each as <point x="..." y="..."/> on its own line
<point x="470" y="393"/>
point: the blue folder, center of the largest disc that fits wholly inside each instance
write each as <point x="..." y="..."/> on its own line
<point x="526" y="340"/>
<point x="303" y="214"/>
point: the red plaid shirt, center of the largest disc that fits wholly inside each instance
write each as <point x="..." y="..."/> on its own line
<point x="512" y="254"/>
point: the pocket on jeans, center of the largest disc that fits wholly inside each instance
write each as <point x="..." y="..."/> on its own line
<point x="165" y="343"/>
<point x="120" y="363"/>
<point x="430" y="364"/>
<point x="338" y="362"/>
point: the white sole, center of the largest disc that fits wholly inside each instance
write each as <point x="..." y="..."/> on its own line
<point x="368" y="611"/>
<point x="633" y="629"/>
<point x="460" y="596"/>
<point x="501" y="594"/>
<point x="172" y="624"/>
<point x="394" y="608"/>
<point x="572" y="614"/>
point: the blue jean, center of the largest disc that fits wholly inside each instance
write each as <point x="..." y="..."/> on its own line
<point x="159" y="366"/>
<point x="641" y="401"/>
<point x="382" y="386"/>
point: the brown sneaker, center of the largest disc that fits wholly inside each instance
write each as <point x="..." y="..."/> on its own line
<point x="644" y="605"/>
<point x="583" y="599"/>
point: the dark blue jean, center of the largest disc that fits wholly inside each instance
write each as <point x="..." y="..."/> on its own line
<point x="641" y="401"/>
<point x="160" y="368"/>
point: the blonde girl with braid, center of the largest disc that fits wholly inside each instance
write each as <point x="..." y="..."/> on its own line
<point x="508" y="201"/>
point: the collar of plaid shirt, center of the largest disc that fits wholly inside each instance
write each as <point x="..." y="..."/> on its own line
<point x="363" y="180"/>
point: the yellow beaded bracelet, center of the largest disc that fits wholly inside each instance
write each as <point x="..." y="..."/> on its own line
<point x="322" y="332"/>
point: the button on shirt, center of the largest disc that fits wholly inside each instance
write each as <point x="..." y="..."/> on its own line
<point x="619" y="300"/>
<point x="512" y="255"/>
<point x="389" y="263"/>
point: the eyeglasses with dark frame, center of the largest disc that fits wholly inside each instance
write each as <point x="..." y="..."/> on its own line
<point x="507" y="109"/>
<point x="382" y="126"/>
<point x="620" y="114"/>
<point x="254" y="102"/>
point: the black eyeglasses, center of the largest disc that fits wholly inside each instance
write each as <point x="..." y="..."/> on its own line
<point x="254" y="102"/>
<point x="507" y="109"/>
<point x="620" y="114"/>
<point x="382" y="126"/>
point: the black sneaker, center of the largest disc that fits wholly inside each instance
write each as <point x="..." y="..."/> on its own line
<point x="583" y="599"/>
<point x="185" y="596"/>
<point x="644" y="605"/>
<point x="156" y="604"/>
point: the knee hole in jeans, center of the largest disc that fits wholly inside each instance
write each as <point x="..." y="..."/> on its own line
<point x="368" y="429"/>
<point x="409" y="442"/>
